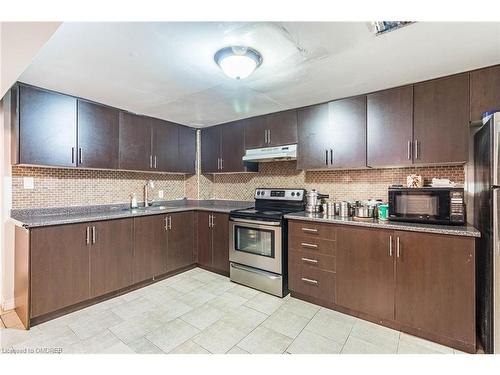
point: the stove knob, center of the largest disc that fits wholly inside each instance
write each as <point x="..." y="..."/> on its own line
<point x="293" y="194"/>
<point x="298" y="194"/>
<point x="258" y="192"/>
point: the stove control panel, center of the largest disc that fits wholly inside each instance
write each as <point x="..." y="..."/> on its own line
<point x="280" y="194"/>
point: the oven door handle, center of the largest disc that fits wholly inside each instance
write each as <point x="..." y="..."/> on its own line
<point x="260" y="222"/>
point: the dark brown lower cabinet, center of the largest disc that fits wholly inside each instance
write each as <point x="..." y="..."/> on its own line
<point x="435" y="287"/>
<point x="150" y="247"/>
<point x="365" y="271"/>
<point x="420" y="283"/>
<point x="213" y="241"/>
<point x="180" y="240"/>
<point x="111" y="256"/>
<point x="59" y="264"/>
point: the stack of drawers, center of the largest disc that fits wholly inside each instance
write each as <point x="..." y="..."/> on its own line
<point x="311" y="259"/>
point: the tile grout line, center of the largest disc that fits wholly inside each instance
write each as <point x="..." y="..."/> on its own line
<point x="302" y="331"/>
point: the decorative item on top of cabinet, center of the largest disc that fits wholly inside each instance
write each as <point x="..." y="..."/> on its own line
<point x="390" y="127"/>
<point x="441" y="120"/>
<point x="275" y="129"/>
<point x="484" y="91"/>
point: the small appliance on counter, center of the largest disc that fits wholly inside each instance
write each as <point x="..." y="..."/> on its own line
<point x="314" y="201"/>
<point x="431" y="205"/>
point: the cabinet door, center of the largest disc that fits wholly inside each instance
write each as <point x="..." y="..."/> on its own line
<point x="210" y="149"/>
<point x="233" y="147"/>
<point x="435" y="284"/>
<point x="441" y="123"/>
<point x="180" y="241"/>
<point x="220" y="242"/>
<point x="98" y="139"/>
<point x="204" y="239"/>
<point x="255" y="129"/>
<point x="47" y="128"/>
<point x="348" y="121"/>
<point x="390" y="127"/>
<point x="187" y="150"/>
<point x="150" y="247"/>
<point x="365" y="271"/>
<point x="314" y="137"/>
<point x="165" y="146"/>
<point x="484" y="91"/>
<point x="111" y="256"/>
<point x="135" y="142"/>
<point x="282" y="127"/>
<point x="59" y="267"/>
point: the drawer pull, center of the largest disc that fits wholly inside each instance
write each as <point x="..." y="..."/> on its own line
<point x="310" y="281"/>
<point x="311" y="245"/>
<point x="309" y="260"/>
<point x="310" y="230"/>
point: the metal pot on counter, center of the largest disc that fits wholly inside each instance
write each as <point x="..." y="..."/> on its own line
<point x="314" y="200"/>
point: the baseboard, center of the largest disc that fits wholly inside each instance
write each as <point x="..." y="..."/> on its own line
<point x="8" y="305"/>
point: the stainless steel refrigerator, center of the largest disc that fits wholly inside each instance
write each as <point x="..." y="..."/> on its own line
<point x="486" y="189"/>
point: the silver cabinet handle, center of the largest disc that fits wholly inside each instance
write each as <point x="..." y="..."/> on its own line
<point x="87" y="238"/>
<point x="309" y="260"/>
<point x="265" y="136"/>
<point x="72" y="154"/>
<point x="80" y="155"/>
<point x="416" y="149"/>
<point x="398" y="248"/>
<point x="166" y="222"/>
<point x="170" y="222"/>
<point x="93" y="235"/>
<point x="310" y="281"/>
<point x="390" y="246"/>
<point x="409" y="150"/>
<point x="268" y="135"/>
<point x="331" y="156"/>
<point x="326" y="157"/>
<point x="213" y="221"/>
<point x="311" y="245"/>
<point x="150" y="161"/>
<point x="309" y="230"/>
<point x="209" y="221"/>
<point x="221" y="163"/>
<point x="155" y="162"/>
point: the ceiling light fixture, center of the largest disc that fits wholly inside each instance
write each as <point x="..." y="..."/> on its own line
<point x="238" y="62"/>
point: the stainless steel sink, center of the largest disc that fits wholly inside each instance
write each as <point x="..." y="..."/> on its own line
<point x="150" y="208"/>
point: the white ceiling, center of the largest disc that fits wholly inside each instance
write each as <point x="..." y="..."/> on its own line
<point x="166" y="70"/>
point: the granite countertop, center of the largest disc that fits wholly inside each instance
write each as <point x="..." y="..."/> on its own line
<point x="31" y="218"/>
<point x="462" y="230"/>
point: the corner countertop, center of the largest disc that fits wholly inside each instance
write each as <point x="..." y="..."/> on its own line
<point x="32" y="218"/>
<point x="461" y="230"/>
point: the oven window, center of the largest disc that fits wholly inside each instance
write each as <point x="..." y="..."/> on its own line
<point x="417" y="204"/>
<point x="254" y="241"/>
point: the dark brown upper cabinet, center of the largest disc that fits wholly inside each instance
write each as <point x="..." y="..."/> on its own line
<point x="98" y="141"/>
<point x="390" y="127"/>
<point x="187" y="150"/>
<point x="315" y="146"/>
<point x="135" y="142"/>
<point x="44" y="127"/>
<point x="484" y="91"/>
<point x="165" y="150"/>
<point x="275" y="129"/>
<point x="222" y="149"/>
<point x="441" y="120"/>
<point x="348" y="123"/>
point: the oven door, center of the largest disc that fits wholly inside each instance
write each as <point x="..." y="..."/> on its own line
<point x="256" y="244"/>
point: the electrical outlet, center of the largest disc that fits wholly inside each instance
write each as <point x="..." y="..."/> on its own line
<point x="28" y="182"/>
<point x="160" y="193"/>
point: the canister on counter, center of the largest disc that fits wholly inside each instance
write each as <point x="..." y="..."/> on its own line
<point x="383" y="212"/>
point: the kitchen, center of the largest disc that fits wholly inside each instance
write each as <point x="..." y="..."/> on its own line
<point x="143" y="220"/>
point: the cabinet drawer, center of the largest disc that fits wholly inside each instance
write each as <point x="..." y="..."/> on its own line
<point x="311" y="281"/>
<point x="312" y="259"/>
<point x="313" y="245"/>
<point x="303" y="228"/>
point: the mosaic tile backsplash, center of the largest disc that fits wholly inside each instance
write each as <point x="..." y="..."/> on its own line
<point x="76" y="187"/>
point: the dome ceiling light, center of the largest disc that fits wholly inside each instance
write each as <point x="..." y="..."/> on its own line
<point x="238" y="62"/>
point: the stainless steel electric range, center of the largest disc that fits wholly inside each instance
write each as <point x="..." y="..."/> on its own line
<point x="258" y="240"/>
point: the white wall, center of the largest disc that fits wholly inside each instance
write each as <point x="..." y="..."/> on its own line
<point x="19" y="43"/>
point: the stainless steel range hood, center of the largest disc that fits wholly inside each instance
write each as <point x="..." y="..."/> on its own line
<point x="278" y="153"/>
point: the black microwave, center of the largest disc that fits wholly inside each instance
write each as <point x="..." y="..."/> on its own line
<point x="427" y="205"/>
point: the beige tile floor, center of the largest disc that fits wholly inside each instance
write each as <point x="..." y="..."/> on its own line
<point x="202" y="312"/>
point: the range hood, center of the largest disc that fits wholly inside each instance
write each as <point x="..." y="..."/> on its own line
<point x="278" y="153"/>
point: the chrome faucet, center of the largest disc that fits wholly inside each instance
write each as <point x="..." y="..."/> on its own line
<point x="147" y="201"/>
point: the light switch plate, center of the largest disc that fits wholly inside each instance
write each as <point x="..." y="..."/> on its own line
<point x="160" y="193"/>
<point x="28" y="182"/>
